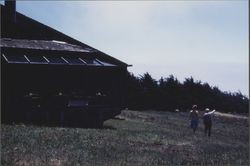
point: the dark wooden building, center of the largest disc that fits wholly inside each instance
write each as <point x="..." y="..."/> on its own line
<point x="50" y="78"/>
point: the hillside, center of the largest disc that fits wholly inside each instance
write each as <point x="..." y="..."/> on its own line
<point x="132" y="138"/>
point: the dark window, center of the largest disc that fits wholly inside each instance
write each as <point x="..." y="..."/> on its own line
<point x="105" y="63"/>
<point x="37" y="59"/>
<point x="15" y="58"/>
<point x="92" y="62"/>
<point x="74" y="60"/>
<point x="56" y="60"/>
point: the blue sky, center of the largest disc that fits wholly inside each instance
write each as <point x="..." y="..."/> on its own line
<point x="205" y="39"/>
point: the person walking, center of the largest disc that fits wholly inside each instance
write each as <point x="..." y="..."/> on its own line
<point x="207" y="120"/>
<point x="194" y="117"/>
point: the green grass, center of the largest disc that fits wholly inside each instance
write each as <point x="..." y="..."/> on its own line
<point x="134" y="138"/>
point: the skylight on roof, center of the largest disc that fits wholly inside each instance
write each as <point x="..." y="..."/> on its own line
<point x="36" y="59"/>
<point x="55" y="60"/>
<point x="104" y="63"/>
<point x="92" y="62"/>
<point x="74" y="61"/>
<point x="14" y="58"/>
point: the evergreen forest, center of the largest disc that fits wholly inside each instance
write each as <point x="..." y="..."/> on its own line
<point x="169" y="94"/>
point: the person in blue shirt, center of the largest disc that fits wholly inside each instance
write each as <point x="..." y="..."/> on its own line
<point x="207" y="120"/>
<point x="194" y="117"/>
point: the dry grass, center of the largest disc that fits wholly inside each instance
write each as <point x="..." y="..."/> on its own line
<point x="134" y="138"/>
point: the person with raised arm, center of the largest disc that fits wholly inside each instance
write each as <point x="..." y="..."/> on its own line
<point x="207" y="120"/>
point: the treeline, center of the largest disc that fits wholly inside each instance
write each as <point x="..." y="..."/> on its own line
<point x="169" y="94"/>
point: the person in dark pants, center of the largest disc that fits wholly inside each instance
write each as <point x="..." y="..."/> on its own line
<point x="194" y="117"/>
<point x="207" y="119"/>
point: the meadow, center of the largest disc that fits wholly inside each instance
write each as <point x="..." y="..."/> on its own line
<point x="146" y="138"/>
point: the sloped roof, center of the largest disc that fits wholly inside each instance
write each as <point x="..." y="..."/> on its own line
<point x="42" y="45"/>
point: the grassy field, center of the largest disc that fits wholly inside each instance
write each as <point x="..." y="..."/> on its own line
<point x="133" y="138"/>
